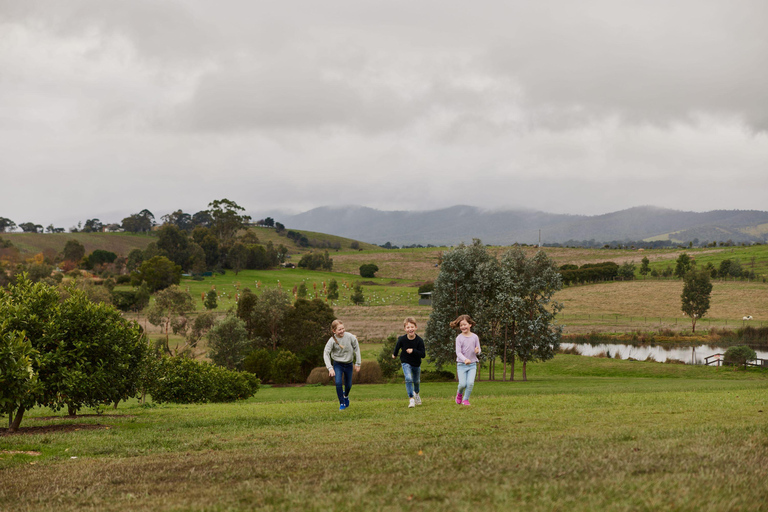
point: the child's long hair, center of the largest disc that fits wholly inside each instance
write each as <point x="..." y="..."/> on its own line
<point x="455" y="323"/>
<point x="335" y="324"/>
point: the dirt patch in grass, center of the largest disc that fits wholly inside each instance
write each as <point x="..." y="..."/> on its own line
<point x="53" y="429"/>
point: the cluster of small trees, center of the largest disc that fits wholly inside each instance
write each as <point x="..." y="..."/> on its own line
<point x="510" y="299"/>
<point x="589" y="272"/>
<point x="279" y="341"/>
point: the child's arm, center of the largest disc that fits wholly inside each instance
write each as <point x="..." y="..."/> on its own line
<point x="397" y="349"/>
<point x="459" y="354"/>
<point x="420" y="350"/>
<point x="358" y="358"/>
<point x="327" y="357"/>
<point x="477" y="344"/>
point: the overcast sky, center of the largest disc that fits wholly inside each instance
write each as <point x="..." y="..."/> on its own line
<point x="109" y="107"/>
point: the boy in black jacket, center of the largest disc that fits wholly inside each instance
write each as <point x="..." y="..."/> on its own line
<point x="413" y="351"/>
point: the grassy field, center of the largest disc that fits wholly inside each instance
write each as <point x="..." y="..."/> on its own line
<point x="581" y="434"/>
<point x="622" y="306"/>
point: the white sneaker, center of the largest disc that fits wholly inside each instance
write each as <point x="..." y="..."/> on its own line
<point x="417" y="398"/>
<point x="412" y="403"/>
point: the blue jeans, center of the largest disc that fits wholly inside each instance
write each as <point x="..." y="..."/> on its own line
<point x="412" y="378"/>
<point x="466" y="374"/>
<point x="343" y="375"/>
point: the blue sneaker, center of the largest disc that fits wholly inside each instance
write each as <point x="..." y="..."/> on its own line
<point x="342" y="407"/>
<point x="346" y="401"/>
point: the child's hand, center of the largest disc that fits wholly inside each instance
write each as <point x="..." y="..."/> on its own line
<point x="331" y="373"/>
<point x="393" y="356"/>
<point x="467" y="361"/>
<point x="477" y="350"/>
<point x="357" y="368"/>
<point x="410" y="350"/>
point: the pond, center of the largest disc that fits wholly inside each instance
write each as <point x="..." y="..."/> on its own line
<point x="688" y="355"/>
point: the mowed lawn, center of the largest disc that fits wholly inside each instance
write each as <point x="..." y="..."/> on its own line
<point x="581" y="434"/>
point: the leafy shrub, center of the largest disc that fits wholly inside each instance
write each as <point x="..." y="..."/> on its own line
<point x="357" y="295"/>
<point x="739" y="355"/>
<point x="259" y="363"/>
<point x="368" y="270"/>
<point x="285" y="367"/>
<point x="437" y="376"/>
<point x="183" y="381"/>
<point x="388" y="365"/>
<point x="427" y="287"/>
<point x="123" y="279"/>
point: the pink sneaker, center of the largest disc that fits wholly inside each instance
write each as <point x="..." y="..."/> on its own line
<point x="458" y="398"/>
<point x="465" y="402"/>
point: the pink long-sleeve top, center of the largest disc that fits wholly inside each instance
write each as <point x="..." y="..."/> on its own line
<point x="465" y="348"/>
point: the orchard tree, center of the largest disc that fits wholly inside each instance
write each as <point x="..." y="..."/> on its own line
<point x="228" y="342"/>
<point x="697" y="288"/>
<point x="82" y="353"/>
<point x="100" y="353"/>
<point x="211" y="300"/>
<point x="357" y="296"/>
<point x="333" y="290"/>
<point x="169" y="311"/>
<point x="19" y="383"/>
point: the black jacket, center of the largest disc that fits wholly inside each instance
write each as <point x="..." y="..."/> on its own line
<point x="417" y="344"/>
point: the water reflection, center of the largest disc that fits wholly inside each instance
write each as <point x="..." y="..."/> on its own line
<point x="688" y="355"/>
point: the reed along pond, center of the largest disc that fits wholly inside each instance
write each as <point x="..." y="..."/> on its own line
<point x="688" y="355"/>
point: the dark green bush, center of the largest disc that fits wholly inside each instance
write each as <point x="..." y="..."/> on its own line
<point x="427" y="287"/>
<point x="739" y="355"/>
<point x="286" y="367"/>
<point x="369" y="270"/>
<point x="181" y="380"/>
<point x="259" y="363"/>
<point x="437" y="376"/>
<point x="388" y="365"/>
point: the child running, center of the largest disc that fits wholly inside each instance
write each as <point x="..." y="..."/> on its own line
<point x="341" y="348"/>
<point x="413" y="351"/>
<point x="467" y="348"/>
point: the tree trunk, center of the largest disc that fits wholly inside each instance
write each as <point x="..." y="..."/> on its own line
<point x="13" y="426"/>
<point x="115" y="406"/>
<point x="71" y="411"/>
<point x="504" y="379"/>
<point x="512" y="364"/>
<point x="525" y="377"/>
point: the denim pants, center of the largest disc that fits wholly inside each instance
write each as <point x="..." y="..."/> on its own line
<point x="343" y="375"/>
<point x="412" y="378"/>
<point x="466" y="374"/>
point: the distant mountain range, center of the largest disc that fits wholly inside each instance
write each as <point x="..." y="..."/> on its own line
<point x="456" y="224"/>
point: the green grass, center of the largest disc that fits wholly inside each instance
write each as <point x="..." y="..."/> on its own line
<point x="581" y="434"/>
<point x="382" y="292"/>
